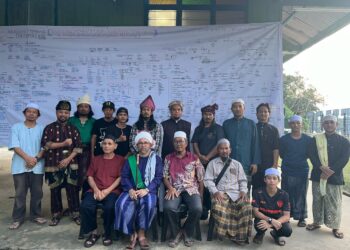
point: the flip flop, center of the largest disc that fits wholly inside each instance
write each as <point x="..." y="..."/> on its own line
<point x="132" y="244"/>
<point x="15" y="225"/>
<point x="39" y="220"/>
<point x="278" y="240"/>
<point x="91" y="240"/>
<point x="258" y="238"/>
<point x="76" y="220"/>
<point x="144" y="245"/>
<point x="312" y="227"/>
<point x="173" y="243"/>
<point x="337" y="234"/>
<point x="107" y="241"/>
<point x="54" y="221"/>
<point x="301" y="223"/>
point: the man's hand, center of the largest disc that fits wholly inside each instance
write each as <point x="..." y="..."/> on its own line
<point x="122" y="138"/>
<point x="219" y="196"/>
<point x="132" y="194"/>
<point x="67" y="142"/>
<point x="204" y="159"/>
<point x="97" y="194"/>
<point x="64" y="163"/>
<point x="171" y="194"/>
<point x="30" y="161"/>
<point x="253" y="169"/>
<point x="243" y="197"/>
<point x="142" y="192"/>
<point x="276" y="224"/>
<point x="326" y="172"/>
<point x="263" y="225"/>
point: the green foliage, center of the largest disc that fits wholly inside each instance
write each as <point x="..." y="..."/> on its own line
<point x="299" y="98"/>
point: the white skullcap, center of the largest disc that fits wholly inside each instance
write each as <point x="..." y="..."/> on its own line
<point x="239" y="100"/>
<point x="84" y="99"/>
<point x="329" y="118"/>
<point x="295" y="118"/>
<point x="32" y="105"/>
<point x="223" y="141"/>
<point x="180" y="134"/>
<point x="144" y="135"/>
<point x="272" y="171"/>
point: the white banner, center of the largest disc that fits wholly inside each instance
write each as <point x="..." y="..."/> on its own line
<point x="198" y="65"/>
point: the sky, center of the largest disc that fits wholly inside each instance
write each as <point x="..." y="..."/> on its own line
<point x="326" y="66"/>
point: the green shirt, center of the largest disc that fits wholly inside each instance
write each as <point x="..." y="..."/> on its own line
<point x="84" y="129"/>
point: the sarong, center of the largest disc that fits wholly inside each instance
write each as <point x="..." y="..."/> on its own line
<point x="131" y="216"/>
<point x="327" y="209"/>
<point x="232" y="219"/>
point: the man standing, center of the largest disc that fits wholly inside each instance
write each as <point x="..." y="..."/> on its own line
<point x="61" y="142"/>
<point x="183" y="179"/>
<point x="329" y="154"/>
<point x="295" y="169"/>
<point x="269" y="144"/>
<point x="100" y="127"/>
<point x="84" y="122"/>
<point x="170" y="126"/>
<point x="242" y="134"/>
<point x="147" y="123"/>
<point x="27" y="168"/>
<point x="227" y="184"/>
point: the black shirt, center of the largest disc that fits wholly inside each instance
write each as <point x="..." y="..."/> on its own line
<point x="99" y="129"/>
<point x="269" y="141"/>
<point x="123" y="147"/>
<point x="271" y="206"/>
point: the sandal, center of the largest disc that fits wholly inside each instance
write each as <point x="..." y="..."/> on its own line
<point x="173" y="243"/>
<point x="76" y="220"/>
<point x="39" y="220"/>
<point x="258" y="238"/>
<point x="107" y="241"/>
<point x="278" y="240"/>
<point x="133" y="242"/>
<point x="15" y="225"/>
<point x="301" y="223"/>
<point x="91" y="240"/>
<point x="188" y="242"/>
<point x="54" y="221"/>
<point x="144" y="245"/>
<point x="312" y="227"/>
<point x="337" y="234"/>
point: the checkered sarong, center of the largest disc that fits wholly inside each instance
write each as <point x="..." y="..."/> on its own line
<point x="232" y="219"/>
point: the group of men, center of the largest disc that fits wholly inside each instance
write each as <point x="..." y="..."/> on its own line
<point x="122" y="167"/>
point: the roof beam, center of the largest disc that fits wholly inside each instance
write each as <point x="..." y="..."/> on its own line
<point x="342" y="4"/>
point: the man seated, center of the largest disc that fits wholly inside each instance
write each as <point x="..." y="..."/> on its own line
<point x="104" y="179"/>
<point x="227" y="184"/>
<point x="271" y="209"/>
<point x="183" y="179"/>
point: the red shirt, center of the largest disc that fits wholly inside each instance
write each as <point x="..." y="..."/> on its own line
<point x="106" y="171"/>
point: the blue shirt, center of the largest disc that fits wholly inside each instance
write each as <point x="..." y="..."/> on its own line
<point x="242" y="134"/>
<point x="294" y="154"/>
<point x="27" y="139"/>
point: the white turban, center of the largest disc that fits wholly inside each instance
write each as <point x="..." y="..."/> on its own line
<point x="84" y="99"/>
<point x="295" y="118"/>
<point x="144" y="135"/>
<point x="329" y="118"/>
<point x="180" y="134"/>
<point x="239" y="100"/>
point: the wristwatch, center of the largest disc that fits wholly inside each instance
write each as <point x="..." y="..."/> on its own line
<point x="269" y="220"/>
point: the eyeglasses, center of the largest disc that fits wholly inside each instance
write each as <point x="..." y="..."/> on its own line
<point x="179" y="142"/>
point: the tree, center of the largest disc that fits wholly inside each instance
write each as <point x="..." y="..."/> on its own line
<point x="299" y="98"/>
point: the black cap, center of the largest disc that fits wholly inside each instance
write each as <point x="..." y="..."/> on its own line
<point x="63" y="105"/>
<point x="108" y="104"/>
<point x="122" y="109"/>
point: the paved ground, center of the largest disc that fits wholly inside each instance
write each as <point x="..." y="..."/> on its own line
<point x="64" y="236"/>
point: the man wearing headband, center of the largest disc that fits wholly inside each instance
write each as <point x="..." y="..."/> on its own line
<point x="104" y="182"/>
<point x="271" y="209"/>
<point x="204" y="141"/>
<point x="173" y="124"/>
<point x="136" y="206"/>
<point x="147" y="123"/>
<point x="295" y="169"/>
<point x="100" y="127"/>
<point x="227" y="183"/>
<point x="243" y="136"/>
<point x="61" y="142"/>
<point x="84" y="122"/>
<point x="183" y="179"/>
<point x="329" y="154"/>
<point x="27" y="167"/>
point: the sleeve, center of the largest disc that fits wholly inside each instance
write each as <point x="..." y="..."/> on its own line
<point x="343" y="158"/>
<point x="209" y="178"/>
<point x="127" y="182"/>
<point x="256" y="199"/>
<point x="132" y="144"/>
<point x="120" y="167"/>
<point x="199" y="171"/>
<point x="282" y="147"/>
<point x="255" y="146"/>
<point x="94" y="130"/>
<point x="45" y="138"/>
<point x="92" y="168"/>
<point x="313" y="154"/>
<point x="195" y="136"/>
<point x="286" y="204"/>
<point x="166" y="168"/>
<point x="77" y="144"/>
<point x="276" y="139"/>
<point x="159" y="139"/>
<point x="14" y="140"/>
<point x="158" y="177"/>
<point x="242" y="179"/>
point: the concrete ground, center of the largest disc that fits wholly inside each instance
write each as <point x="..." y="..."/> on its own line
<point x="64" y="236"/>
